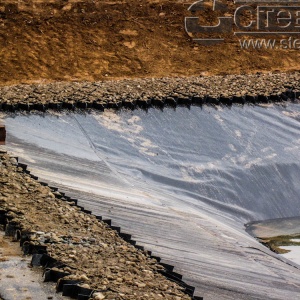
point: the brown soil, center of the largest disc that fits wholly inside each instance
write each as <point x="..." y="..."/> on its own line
<point x="96" y="40"/>
<point x="8" y="248"/>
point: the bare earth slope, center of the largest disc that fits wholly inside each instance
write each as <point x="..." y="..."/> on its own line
<point x="95" y="40"/>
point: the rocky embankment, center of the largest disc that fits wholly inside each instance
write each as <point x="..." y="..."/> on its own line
<point x="258" y="88"/>
<point x="90" y="253"/>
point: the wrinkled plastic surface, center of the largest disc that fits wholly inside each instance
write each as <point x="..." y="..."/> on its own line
<point x="182" y="182"/>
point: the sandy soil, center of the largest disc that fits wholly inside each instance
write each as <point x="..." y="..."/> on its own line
<point x="95" y="40"/>
<point x="7" y="248"/>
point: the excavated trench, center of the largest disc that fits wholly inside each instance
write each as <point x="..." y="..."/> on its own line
<point x="182" y="181"/>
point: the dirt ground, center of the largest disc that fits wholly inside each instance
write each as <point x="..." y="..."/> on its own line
<point x="43" y="41"/>
<point x="7" y="248"/>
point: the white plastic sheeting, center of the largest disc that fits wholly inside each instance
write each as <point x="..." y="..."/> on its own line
<point x="183" y="182"/>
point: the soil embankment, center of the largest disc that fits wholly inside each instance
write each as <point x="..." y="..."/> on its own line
<point x="96" y="40"/>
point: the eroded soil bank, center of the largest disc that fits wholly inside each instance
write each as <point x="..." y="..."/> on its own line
<point x="95" y="40"/>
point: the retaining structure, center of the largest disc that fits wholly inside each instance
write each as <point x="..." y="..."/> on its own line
<point x="71" y="288"/>
<point x="170" y="101"/>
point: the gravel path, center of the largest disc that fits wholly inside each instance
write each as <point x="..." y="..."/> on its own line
<point x="92" y="253"/>
<point x="145" y="92"/>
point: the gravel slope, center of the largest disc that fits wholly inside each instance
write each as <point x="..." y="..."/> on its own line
<point x="144" y="92"/>
<point x="94" y="254"/>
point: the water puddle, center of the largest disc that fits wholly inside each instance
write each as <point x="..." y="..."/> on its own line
<point x="280" y="235"/>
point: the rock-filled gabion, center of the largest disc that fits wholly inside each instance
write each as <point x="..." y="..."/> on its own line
<point x="86" y="257"/>
<point x="227" y="90"/>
